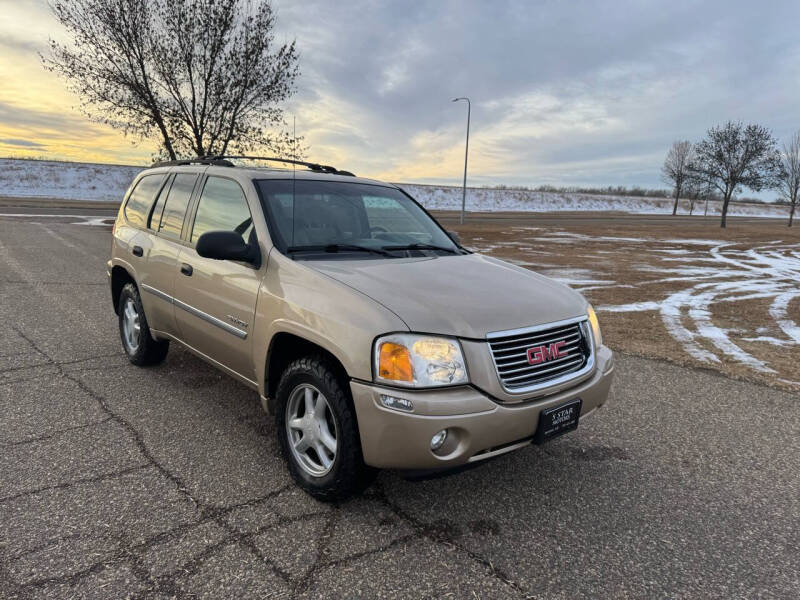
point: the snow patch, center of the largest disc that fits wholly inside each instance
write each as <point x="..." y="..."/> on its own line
<point x="768" y="271"/>
<point x="576" y="278"/>
<point x="778" y="310"/>
<point x="491" y="200"/>
<point x="632" y="307"/>
<point x="64" y="180"/>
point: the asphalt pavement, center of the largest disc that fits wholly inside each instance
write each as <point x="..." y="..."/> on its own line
<point x="118" y="481"/>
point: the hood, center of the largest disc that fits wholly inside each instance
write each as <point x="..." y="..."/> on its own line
<point x="466" y="296"/>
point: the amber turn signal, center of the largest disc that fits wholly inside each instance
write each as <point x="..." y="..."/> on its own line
<point x="395" y="362"/>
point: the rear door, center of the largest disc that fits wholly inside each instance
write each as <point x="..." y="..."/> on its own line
<point x="166" y="223"/>
<point x="135" y="241"/>
<point x="215" y="300"/>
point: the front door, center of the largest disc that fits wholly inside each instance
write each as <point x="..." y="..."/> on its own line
<point x="215" y="300"/>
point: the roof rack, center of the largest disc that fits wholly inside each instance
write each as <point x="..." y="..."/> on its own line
<point x="205" y="160"/>
<point x="313" y="166"/>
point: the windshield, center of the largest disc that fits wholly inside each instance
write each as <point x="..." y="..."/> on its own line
<point x="370" y="221"/>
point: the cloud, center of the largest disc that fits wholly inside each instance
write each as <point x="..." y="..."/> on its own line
<point x="65" y="134"/>
<point x="21" y="143"/>
<point x="43" y="120"/>
<point x="576" y="92"/>
<point x="17" y="45"/>
<point x="569" y="93"/>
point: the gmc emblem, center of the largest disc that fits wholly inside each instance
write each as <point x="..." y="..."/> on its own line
<point x="540" y="354"/>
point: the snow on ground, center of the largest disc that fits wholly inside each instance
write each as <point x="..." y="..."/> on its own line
<point x="583" y="279"/>
<point x="21" y="178"/>
<point x="64" y="180"/>
<point x="701" y="276"/>
<point x="478" y="199"/>
<point x="769" y="271"/>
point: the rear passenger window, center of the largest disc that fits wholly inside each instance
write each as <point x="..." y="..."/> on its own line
<point x="155" y="216"/>
<point x="175" y="209"/>
<point x="141" y="199"/>
<point x="222" y="207"/>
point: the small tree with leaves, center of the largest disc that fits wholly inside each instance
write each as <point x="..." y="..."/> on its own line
<point x="200" y="76"/>
<point x="676" y="169"/>
<point x="789" y="185"/>
<point x="735" y="155"/>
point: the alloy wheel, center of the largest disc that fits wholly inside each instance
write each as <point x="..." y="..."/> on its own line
<point x="131" y="327"/>
<point x="311" y="429"/>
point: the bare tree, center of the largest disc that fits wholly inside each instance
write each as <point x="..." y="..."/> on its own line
<point x="733" y="156"/>
<point x="695" y="190"/>
<point x="790" y="173"/>
<point x="675" y="171"/>
<point x="200" y="76"/>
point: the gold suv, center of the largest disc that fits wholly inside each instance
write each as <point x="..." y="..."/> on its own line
<point x="371" y="335"/>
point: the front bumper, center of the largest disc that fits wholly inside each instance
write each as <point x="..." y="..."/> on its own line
<point x="478" y="427"/>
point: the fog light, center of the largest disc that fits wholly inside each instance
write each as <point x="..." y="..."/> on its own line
<point x="438" y="439"/>
<point x="397" y="403"/>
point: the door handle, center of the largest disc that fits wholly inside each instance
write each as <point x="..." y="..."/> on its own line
<point x="186" y="269"/>
<point x="137" y="251"/>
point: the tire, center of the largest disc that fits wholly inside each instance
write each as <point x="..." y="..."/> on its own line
<point x="346" y="474"/>
<point x="139" y="345"/>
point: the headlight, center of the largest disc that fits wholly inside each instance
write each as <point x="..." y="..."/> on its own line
<point x="598" y="337"/>
<point x="419" y="360"/>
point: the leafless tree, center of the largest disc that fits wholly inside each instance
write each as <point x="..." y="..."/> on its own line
<point x="790" y="173"/>
<point x="736" y="155"/>
<point x="676" y="168"/>
<point x="200" y="76"/>
<point x="695" y="190"/>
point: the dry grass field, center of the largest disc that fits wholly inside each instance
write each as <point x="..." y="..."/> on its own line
<point x="681" y="289"/>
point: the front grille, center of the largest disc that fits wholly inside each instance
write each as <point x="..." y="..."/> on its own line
<point x="517" y="374"/>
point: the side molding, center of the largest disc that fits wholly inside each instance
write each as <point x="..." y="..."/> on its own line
<point x="195" y="311"/>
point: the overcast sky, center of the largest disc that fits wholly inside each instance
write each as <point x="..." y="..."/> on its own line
<point x="562" y="92"/>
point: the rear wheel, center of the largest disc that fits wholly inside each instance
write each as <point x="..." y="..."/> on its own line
<point x="140" y="346"/>
<point x="318" y="431"/>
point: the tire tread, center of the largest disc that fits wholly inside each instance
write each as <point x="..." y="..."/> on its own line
<point x="150" y="351"/>
<point x="351" y="475"/>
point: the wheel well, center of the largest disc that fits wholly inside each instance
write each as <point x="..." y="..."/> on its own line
<point x="119" y="277"/>
<point x="286" y="348"/>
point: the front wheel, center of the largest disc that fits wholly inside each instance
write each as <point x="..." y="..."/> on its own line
<point x="318" y="431"/>
<point x="140" y="346"/>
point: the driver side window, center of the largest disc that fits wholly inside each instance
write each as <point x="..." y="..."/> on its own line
<point x="222" y="207"/>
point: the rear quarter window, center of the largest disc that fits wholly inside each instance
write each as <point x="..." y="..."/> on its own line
<point x="141" y="199"/>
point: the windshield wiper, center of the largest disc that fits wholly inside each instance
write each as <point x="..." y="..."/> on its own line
<point x="422" y="247"/>
<point x="332" y="248"/>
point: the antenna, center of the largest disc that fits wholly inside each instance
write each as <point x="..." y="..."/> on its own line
<point x="294" y="174"/>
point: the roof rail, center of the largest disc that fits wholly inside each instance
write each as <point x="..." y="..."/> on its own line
<point x="205" y="160"/>
<point x="313" y="166"/>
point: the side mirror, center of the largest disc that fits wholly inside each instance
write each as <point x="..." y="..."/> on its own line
<point x="227" y="245"/>
<point x="454" y="236"/>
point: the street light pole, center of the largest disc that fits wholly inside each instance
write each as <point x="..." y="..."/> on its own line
<point x="466" y="156"/>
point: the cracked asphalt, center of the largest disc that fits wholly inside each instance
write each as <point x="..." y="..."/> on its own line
<point x="167" y="482"/>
